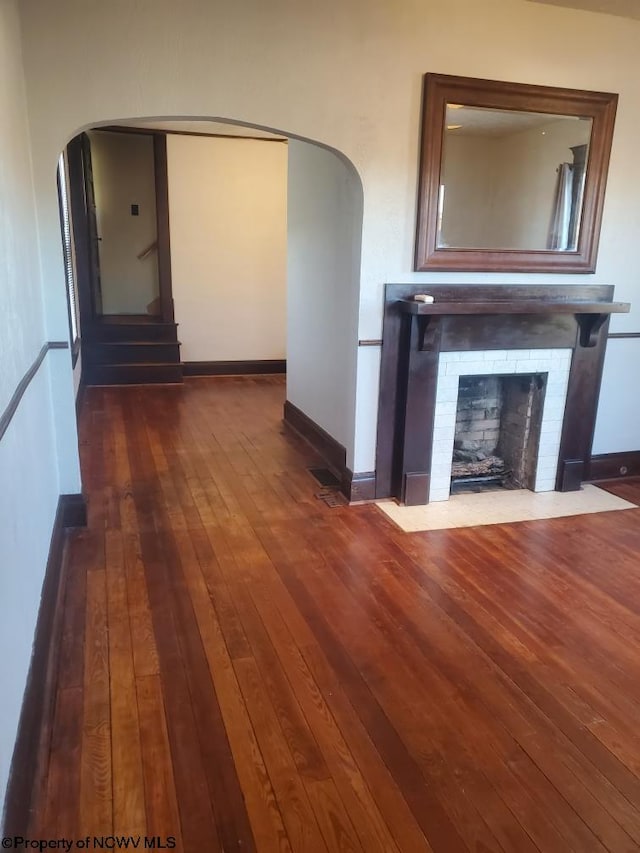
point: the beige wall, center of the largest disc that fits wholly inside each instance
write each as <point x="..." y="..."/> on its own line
<point x="124" y="174"/>
<point x="469" y="175"/>
<point x="20" y="285"/>
<point x="346" y="73"/>
<point x="227" y="212"/>
<point x="324" y="217"/>
<point x="29" y="476"/>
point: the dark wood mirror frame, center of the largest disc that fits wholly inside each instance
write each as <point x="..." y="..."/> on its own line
<point x="440" y="89"/>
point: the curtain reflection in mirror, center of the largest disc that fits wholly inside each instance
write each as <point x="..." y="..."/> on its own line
<point x="567" y="206"/>
<point x="559" y="236"/>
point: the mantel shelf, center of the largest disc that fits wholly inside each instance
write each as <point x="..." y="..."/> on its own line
<point x="521" y="306"/>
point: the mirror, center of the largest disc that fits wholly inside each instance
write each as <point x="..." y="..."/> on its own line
<point x="512" y="176"/>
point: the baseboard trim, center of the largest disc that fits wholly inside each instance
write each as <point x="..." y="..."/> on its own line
<point x="355" y="487"/>
<point x="80" y="395"/>
<point x="359" y="487"/>
<point x="233" y="368"/>
<point x="331" y="451"/>
<point x="36" y="715"/>
<point x="614" y="466"/>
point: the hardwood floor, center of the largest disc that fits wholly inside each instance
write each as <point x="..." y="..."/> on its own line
<point x="245" y="668"/>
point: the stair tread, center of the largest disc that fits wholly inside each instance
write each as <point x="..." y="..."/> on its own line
<point x="134" y="343"/>
<point x="132" y="333"/>
<point x="111" y="364"/>
<point x="133" y="320"/>
<point x="136" y="373"/>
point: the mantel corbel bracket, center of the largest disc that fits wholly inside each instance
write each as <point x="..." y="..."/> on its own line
<point x="428" y="333"/>
<point x="590" y="325"/>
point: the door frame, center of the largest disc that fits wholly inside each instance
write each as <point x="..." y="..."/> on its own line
<point x="85" y="236"/>
<point x="163" y="230"/>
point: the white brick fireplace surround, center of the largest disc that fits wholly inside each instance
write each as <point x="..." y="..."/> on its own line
<point x="452" y="365"/>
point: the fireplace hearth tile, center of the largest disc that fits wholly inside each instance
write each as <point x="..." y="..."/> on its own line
<point x="500" y="507"/>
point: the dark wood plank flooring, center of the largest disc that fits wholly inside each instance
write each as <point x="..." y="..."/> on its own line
<point x="245" y="668"/>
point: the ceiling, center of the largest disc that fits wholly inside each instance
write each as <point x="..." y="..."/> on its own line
<point x="478" y="121"/>
<point x="623" y="8"/>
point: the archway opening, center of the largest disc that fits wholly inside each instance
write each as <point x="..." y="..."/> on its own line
<point x="261" y="252"/>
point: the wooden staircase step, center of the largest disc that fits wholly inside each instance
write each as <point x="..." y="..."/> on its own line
<point x="133" y="374"/>
<point x="132" y="352"/>
<point x="112" y="332"/>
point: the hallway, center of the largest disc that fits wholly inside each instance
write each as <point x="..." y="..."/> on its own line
<point x="244" y="667"/>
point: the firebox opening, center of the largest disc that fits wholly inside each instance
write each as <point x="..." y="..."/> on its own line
<point x="498" y="421"/>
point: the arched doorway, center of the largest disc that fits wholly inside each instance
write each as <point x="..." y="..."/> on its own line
<point x="319" y="297"/>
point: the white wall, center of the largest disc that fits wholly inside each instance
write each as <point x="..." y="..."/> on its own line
<point x="124" y="174"/>
<point x="346" y="73"/>
<point x="620" y="397"/>
<point x="77" y="375"/>
<point x="20" y="296"/>
<point x="28" y="475"/>
<point x="324" y="216"/>
<point x="227" y="214"/>
<point x="27" y="506"/>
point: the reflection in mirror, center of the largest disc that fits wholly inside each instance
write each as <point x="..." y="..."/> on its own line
<point x="511" y="179"/>
<point x="512" y="176"/>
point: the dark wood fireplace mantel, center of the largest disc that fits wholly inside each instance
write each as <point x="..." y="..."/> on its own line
<point x="591" y="316"/>
<point x="513" y="306"/>
<point x="483" y="318"/>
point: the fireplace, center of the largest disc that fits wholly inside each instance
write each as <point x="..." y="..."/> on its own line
<point x="553" y="335"/>
<point x="497" y="431"/>
<point x="506" y="404"/>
